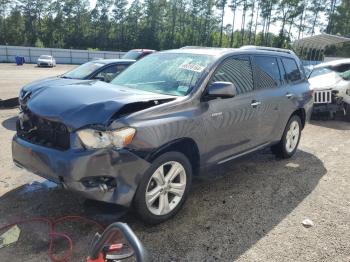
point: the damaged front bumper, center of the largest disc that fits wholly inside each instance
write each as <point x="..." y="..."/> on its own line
<point x="107" y="175"/>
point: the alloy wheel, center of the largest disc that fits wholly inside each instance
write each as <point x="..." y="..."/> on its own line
<point x="166" y="188"/>
<point x="292" y="136"/>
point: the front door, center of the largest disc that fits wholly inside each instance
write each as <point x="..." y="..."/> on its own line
<point x="231" y="123"/>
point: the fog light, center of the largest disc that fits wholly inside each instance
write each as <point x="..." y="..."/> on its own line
<point x="101" y="182"/>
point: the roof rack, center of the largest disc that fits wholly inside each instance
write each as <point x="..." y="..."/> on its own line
<point x="264" y="48"/>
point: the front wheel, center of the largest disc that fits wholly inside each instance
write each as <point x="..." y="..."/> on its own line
<point x="288" y="145"/>
<point x="164" y="188"/>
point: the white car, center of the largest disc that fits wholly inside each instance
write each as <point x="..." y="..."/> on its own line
<point x="330" y="82"/>
<point x="46" y="60"/>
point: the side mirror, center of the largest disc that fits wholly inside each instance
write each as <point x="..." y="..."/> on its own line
<point x="101" y="78"/>
<point x="222" y="89"/>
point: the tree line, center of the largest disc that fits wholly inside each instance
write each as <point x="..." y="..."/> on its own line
<point x="165" y="24"/>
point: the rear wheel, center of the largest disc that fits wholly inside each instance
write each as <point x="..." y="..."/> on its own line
<point x="288" y="145"/>
<point x="164" y="188"/>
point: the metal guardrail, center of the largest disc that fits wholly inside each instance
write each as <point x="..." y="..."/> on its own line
<point x="62" y="56"/>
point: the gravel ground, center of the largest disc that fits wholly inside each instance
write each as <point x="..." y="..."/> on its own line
<point x="13" y="77"/>
<point x="247" y="210"/>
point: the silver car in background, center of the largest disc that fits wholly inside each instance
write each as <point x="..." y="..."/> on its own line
<point x="46" y="60"/>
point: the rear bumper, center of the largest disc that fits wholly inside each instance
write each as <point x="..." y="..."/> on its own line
<point x="74" y="165"/>
<point x="45" y="64"/>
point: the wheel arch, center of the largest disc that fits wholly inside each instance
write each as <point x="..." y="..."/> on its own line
<point x="302" y="114"/>
<point x="186" y="146"/>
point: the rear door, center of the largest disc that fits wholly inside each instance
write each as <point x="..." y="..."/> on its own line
<point x="268" y="92"/>
<point x="231" y="123"/>
<point x="296" y="86"/>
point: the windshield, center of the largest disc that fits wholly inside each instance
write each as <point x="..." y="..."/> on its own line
<point x="45" y="57"/>
<point x="345" y="75"/>
<point x="165" y="73"/>
<point x="320" y="71"/>
<point x="133" y="54"/>
<point x="83" y="71"/>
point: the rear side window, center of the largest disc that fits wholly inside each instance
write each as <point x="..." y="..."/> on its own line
<point x="292" y="71"/>
<point x="267" y="71"/>
<point x="237" y="70"/>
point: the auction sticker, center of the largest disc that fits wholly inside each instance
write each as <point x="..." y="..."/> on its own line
<point x="192" y="67"/>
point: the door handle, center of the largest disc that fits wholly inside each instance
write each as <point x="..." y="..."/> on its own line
<point x="289" y="95"/>
<point x="255" y="103"/>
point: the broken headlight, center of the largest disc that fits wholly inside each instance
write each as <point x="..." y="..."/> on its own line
<point x="119" y="138"/>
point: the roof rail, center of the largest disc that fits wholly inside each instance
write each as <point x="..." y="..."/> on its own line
<point x="195" y="47"/>
<point x="203" y="47"/>
<point x="265" y="48"/>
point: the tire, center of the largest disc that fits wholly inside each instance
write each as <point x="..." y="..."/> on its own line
<point x="286" y="148"/>
<point x="155" y="212"/>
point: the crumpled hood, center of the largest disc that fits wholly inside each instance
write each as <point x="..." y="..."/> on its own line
<point x="80" y="105"/>
<point x="325" y="81"/>
<point x="48" y="82"/>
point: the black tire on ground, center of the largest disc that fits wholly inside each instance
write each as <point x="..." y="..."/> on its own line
<point x="139" y="202"/>
<point x="280" y="149"/>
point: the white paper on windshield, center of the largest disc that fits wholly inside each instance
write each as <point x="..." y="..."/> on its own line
<point x="192" y="67"/>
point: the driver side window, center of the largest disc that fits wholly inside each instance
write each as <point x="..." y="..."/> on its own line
<point x="109" y="73"/>
<point x="237" y="70"/>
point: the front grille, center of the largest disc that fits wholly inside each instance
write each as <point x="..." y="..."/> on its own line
<point x="43" y="132"/>
<point x="323" y="97"/>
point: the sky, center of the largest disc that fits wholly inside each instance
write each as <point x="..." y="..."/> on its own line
<point x="274" y="28"/>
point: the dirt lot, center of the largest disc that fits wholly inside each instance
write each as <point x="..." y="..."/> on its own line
<point x="248" y="210"/>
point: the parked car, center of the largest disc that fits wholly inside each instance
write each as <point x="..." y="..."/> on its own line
<point x="137" y="54"/>
<point x="104" y="70"/>
<point x="331" y="84"/>
<point x="140" y="139"/>
<point x="46" y="60"/>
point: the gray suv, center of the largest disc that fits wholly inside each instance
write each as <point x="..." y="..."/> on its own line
<point x="139" y="140"/>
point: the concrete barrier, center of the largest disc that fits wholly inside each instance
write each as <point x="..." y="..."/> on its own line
<point x="62" y="56"/>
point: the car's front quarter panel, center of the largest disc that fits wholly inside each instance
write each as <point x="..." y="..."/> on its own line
<point x="161" y="126"/>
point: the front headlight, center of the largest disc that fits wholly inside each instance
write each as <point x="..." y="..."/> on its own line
<point x="119" y="138"/>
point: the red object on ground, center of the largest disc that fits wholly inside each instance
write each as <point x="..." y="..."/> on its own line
<point x="99" y="259"/>
<point x="52" y="234"/>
